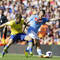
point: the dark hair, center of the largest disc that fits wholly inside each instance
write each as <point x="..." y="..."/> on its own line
<point x="18" y="16"/>
<point x="43" y="12"/>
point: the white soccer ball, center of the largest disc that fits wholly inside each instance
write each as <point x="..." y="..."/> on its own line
<point x="49" y="53"/>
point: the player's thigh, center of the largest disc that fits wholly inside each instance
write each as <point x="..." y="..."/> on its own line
<point x="28" y="38"/>
<point x="34" y="41"/>
<point x="10" y="42"/>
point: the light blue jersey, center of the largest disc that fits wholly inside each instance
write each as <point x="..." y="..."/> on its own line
<point x="34" y="24"/>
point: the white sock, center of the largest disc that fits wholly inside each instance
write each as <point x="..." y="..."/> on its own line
<point x="39" y="52"/>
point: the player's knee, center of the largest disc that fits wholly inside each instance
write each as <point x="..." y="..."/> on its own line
<point x="10" y="42"/>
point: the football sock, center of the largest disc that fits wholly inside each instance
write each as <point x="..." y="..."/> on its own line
<point x="39" y="51"/>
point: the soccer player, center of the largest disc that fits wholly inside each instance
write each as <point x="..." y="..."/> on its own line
<point x="36" y="21"/>
<point x="16" y="33"/>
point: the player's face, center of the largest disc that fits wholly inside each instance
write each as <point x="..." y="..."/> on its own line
<point x="40" y="14"/>
<point x="17" y="20"/>
<point x="40" y="17"/>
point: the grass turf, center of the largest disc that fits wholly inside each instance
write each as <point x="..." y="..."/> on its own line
<point x="22" y="57"/>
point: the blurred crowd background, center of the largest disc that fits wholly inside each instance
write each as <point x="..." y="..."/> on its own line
<point x="9" y="8"/>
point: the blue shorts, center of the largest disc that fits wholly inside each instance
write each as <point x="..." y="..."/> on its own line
<point x="18" y="37"/>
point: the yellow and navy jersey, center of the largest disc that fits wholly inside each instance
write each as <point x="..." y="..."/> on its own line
<point x="15" y="28"/>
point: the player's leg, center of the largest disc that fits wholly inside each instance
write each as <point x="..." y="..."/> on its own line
<point x="29" y="47"/>
<point x="22" y="37"/>
<point x="5" y="35"/>
<point x="11" y="40"/>
<point x="36" y="42"/>
<point x="6" y="47"/>
<point x="29" y="39"/>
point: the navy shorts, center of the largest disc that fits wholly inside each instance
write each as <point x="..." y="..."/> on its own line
<point x="18" y="37"/>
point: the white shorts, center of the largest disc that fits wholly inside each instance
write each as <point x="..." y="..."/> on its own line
<point x="33" y="35"/>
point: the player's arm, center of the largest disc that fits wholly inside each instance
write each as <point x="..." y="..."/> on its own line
<point x="2" y="25"/>
<point x="5" y="24"/>
<point x="26" y="24"/>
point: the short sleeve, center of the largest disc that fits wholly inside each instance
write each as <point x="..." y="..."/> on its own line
<point x="9" y="23"/>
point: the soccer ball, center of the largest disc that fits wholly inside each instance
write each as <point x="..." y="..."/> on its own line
<point x="49" y="53"/>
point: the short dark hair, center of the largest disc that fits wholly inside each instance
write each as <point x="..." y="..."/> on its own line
<point x="18" y="16"/>
<point x="43" y="12"/>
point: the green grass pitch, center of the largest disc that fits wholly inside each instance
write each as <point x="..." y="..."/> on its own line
<point x="22" y="57"/>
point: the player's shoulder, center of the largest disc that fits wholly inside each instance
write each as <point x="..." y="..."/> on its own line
<point x="11" y="22"/>
<point x="22" y="19"/>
